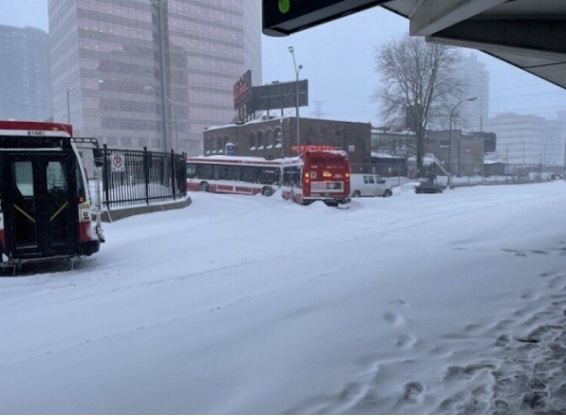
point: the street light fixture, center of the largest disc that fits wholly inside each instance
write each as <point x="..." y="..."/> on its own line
<point x="297" y="72"/>
<point x="450" y="137"/>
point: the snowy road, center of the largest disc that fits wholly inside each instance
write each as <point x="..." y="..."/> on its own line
<point x="449" y="303"/>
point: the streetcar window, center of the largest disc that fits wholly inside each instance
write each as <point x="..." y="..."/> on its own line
<point x="219" y="172"/>
<point x="296" y="176"/>
<point x="24" y="178"/>
<point x="250" y="174"/>
<point x="233" y="173"/>
<point x="205" y="172"/>
<point x="56" y="176"/>
<point x="285" y="180"/>
<point x="291" y="176"/>
<point x="268" y="176"/>
<point x="191" y="170"/>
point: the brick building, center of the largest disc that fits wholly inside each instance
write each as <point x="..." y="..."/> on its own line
<point x="273" y="138"/>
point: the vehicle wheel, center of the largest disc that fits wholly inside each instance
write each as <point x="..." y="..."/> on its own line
<point x="204" y="187"/>
<point x="387" y="193"/>
<point x="356" y="194"/>
<point x="267" y="191"/>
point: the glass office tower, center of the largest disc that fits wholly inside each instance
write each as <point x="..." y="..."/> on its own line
<point x="151" y="73"/>
<point x="25" y="74"/>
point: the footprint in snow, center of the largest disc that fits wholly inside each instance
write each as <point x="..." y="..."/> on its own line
<point x="394" y="319"/>
<point x="412" y="392"/>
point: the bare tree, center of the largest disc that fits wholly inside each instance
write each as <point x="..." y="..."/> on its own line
<point x="419" y="86"/>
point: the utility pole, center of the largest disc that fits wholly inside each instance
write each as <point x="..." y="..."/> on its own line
<point x="297" y="71"/>
<point x="450" y="139"/>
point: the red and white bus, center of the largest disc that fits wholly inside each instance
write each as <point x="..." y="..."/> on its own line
<point x="317" y="175"/>
<point x="45" y="210"/>
<point x="233" y="175"/>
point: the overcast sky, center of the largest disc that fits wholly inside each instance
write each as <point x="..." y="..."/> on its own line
<point x="337" y="60"/>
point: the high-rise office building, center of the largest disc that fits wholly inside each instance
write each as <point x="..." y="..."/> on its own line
<point x="527" y="139"/>
<point x="474" y="114"/>
<point x="151" y="73"/>
<point x="25" y="74"/>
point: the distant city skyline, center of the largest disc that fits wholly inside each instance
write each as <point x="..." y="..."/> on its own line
<point x="338" y="61"/>
<point x="527" y="139"/>
<point x="25" y="74"/>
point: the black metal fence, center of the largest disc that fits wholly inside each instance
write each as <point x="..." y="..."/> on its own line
<point x="131" y="177"/>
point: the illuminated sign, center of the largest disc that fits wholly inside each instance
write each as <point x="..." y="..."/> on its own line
<point x="242" y="90"/>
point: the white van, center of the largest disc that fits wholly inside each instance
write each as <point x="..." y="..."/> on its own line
<point x="369" y="185"/>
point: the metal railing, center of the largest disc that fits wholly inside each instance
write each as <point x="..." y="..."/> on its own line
<point x="131" y="177"/>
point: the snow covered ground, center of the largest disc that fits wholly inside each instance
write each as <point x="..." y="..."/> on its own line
<point x="415" y="304"/>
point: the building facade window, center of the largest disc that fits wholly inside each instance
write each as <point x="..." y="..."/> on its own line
<point x="269" y="140"/>
<point x="260" y="140"/>
<point x="208" y="46"/>
<point x="278" y="137"/>
<point x="252" y="141"/>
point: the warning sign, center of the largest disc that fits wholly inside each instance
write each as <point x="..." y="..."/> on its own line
<point x="118" y="163"/>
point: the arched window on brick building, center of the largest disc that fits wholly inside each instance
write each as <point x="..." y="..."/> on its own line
<point x="269" y="139"/>
<point x="260" y="139"/>
<point x="207" y="146"/>
<point x="278" y="137"/>
<point x="219" y="146"/>
<point x="252" y="140"/>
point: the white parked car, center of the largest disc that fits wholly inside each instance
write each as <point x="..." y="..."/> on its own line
<point x="369" y="185"/>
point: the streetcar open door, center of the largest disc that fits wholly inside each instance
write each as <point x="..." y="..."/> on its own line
<point x="38" y="219"/>
<point x="45" y="207"/>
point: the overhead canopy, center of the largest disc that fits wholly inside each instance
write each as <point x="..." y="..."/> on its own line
<point x="530" y="34"/>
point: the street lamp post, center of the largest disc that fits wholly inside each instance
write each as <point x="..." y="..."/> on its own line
<point x="297" y="72"/>
<point x="450" y="138"/>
